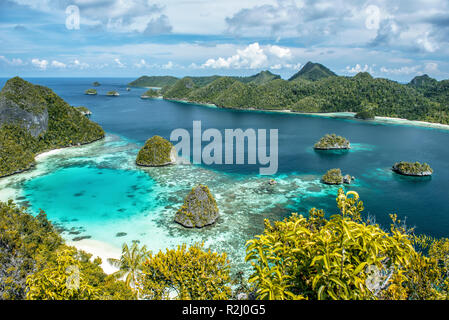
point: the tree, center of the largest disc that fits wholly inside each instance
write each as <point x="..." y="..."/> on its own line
<point x="130" y="263"/>
<point x="62" y="280"/>
<point x="186" y="274"/>
<point x="342" y="258"/>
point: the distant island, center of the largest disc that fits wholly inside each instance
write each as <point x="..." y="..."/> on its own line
<point x="113" y="93"/>
<point x="413" y="169"/>
<point x="90" y="92"/>
<point x="332" y="142"/>
<point x="33" y="119"/>
<point x="313" y="89"/>
<point x="96" y="84"/>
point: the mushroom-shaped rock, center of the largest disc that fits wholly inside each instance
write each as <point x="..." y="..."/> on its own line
<point x="332" y="142"/>
<point x="199" y="209"/>
<point x="156" y="152"/>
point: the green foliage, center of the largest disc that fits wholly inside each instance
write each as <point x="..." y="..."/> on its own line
<point x="332" y="141"/>
<point x="187" y="274"/>
<point x="22" y="94"/>
<point x="345" y="258"/>
<point x="61" y="280"/>
<point x="324" y="259"/>
<point x="156" y="152"/>
<point x="333" y="176"/>
<point x="130" y="263"/>
<point x="26" y="245"/>
<point x="366" y="115"/>
<point x="112" y="93"/>
<point x="84" y="111"/>
<point x="413" y="169"/>
<point x="36" y="264"/>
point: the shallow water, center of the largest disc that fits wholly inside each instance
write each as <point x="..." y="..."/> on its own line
<point x="97" y="191"/>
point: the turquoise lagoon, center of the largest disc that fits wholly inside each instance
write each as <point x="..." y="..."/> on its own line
<point x="97" y="191"/>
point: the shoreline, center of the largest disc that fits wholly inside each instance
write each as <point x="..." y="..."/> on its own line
<point x="338" y="115"/>
<point x="99" y="249"/>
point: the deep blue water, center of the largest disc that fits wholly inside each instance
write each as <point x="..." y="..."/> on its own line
<point x="376" y="148"/>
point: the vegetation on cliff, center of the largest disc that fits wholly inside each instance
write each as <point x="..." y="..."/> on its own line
<point x="34" y="261"/>
<point x="199" y="209"/>
<point x="332" y="141"/>
<point x="62" y="125"/>
<point x="156" y="152"/>
<point x="312" y="71"/>
<point x="413" y="169"/>
<point x="333" y="176"/>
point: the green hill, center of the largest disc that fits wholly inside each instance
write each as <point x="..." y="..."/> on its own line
<point x="260" y="78"/>
<point x="154" y="81"/>
<point x="423" y="81"/>
<point x="33" y="119"/>
<point x="312" y="71"/>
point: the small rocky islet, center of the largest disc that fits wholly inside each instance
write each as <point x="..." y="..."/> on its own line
<point x="199" y="209"/>
<point x="156" y="152"/>
<point x="113" y="93"/>
<point x="91" y="92"/>
<point x="332" y="142"/>
<point x="335" y="177"/>
<point x="416" y="169"/>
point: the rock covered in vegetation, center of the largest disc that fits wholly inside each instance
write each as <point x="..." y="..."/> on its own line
<point x="365" y="115"/>
<point x="33" y="120"/>
<point x="21" y="103"/>
<point x="90" y="92"/>
<point x="413" y="169"/>
<point x="332" y="142"/>
<point x="335" y="177"/>
<point x="156" y="152"/>
<point x="112" y="93"/>
<point x="199" y="209"/>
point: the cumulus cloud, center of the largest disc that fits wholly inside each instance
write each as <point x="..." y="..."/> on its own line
<point x="119" y="63"/>
<point x="358" y="68"/>
<point x="252" y="57"/>
<point x="81" y="65"/>
<point x="401" y="70"/>
<point x="57" y="64"/>
<point x="41" y="64"/>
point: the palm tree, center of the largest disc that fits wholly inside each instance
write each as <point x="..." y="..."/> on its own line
<point x="130" y="263"/>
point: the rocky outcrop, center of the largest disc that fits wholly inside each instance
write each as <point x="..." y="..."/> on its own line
<point x="199" y="209"/>
<point x="335" y="177"/>
<point x="21" y="103"/>
<point x="156" y="152"/>
<point x="413" y="169"/>
<point x="332" y="142"/>
<point x="113" y="94"/>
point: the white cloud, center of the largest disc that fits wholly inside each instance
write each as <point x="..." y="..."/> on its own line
<point x="41" y="64"/>
<point x="280" y="52"/>
<point x="119" y="63"/>
<point x="142" y="63"/>
<point x="358" y="68"/>
<point x="251" y="57"/>
<point x="58" y="64"/>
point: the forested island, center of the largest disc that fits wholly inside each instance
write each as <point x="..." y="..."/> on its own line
<point x="332" y="142"/>
<point x="413" y="169"/>
<point x="314" y="89"/>
<point x="33" y="119"/>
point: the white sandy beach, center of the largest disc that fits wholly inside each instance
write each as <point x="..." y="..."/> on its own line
<point x="99" y="249"/>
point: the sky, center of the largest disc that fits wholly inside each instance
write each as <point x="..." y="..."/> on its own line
<point x="129" y="38"/>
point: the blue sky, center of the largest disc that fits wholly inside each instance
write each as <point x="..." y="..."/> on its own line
<point x="129" y="38"/>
